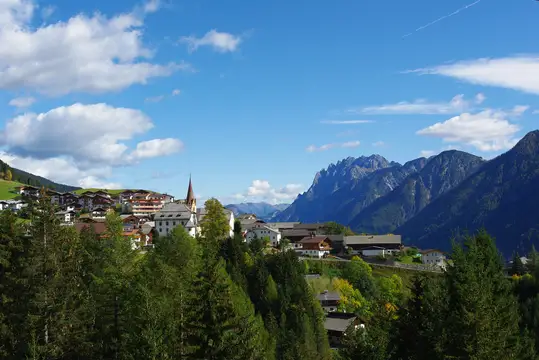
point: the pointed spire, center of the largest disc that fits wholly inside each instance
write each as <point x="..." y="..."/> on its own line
<point x="190" y="193"/>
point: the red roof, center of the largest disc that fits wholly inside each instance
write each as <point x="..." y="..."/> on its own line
<point x="99" y="227"/>
<point x="314" y="240"/>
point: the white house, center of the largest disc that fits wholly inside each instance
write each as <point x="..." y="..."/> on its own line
<point x="434" y="257"/>
<point x="314" y="246"/>
<point x="173" y="215"/>
<point x="67" y="217"/>
<point x="261" y="231"/>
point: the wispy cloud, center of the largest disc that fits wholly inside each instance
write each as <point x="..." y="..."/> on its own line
<point x="442" y="18"/>
<point x="516" y="72"/>
<point x="325" y="147"/>
<point x="176" y="92"/>
<point x="219" y="41"/>
<point x="378" y="143"/>
<point x="346" y="122"/>
<point x="456" y="105"/>
<point x="426" y="153"/>
<point x="22" y="102"/>
<point x="535" y="112"/>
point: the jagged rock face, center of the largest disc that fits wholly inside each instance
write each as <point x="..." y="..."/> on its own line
<point x="441" y="173"/>
<point x="343" y="189"/>
<point x="501" y="196"/>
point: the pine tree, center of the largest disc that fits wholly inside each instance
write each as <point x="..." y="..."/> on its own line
<point x="13" y="254"/>
<point x="482" y="316"/>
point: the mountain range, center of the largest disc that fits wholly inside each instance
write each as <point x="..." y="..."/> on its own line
<point x="431" y="201"/>
<point x="262" y="210"/>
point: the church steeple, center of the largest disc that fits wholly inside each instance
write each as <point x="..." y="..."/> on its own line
<point x="190" y="198"/>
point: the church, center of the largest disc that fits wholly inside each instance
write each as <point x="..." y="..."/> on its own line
<point x="180" y="212"/>
<point x="185" y="213"/>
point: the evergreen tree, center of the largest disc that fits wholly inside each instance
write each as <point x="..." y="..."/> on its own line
<point x="13" y="252"/>
<point x="482" y="316"/>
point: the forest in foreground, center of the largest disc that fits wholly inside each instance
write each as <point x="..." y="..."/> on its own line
<point x="69" y="295"/>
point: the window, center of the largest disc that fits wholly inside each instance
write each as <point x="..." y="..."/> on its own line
<point x="174" y="223"/>
<point x="160" y="230"/>
<point x="166" y="223"/>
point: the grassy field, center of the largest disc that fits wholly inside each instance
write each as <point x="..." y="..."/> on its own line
<point x="7" y="189"/>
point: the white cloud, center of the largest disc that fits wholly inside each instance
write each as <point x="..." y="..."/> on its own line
<point x="92" y="54"/>
<point x="535" y="112"/>
<point x="519" y="110"/>
<point x="78" y="141"/>
<point x="261" y="190"/>
<point x="517" y="72"/>
<point x="22" y="102"/>
<point x="219" y="41"/>
<point x="152" y="6"/>
<point x="348" y="144"/>
<point x="156" y="147"/>
<point x="62" y="170"/>
<point x="480" y="98"/>
<point x="487" y="130"/>
<point x="176" y="92"/>
<point x="426" y="153"/>
<point x="346" y="122"/>
<point x="378" y="143"/>
<point x="421" y="106"/>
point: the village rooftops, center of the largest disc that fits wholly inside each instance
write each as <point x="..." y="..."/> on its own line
<point x="173" y="211"/>
<point x="372" y="240"/>
<point x="283" y="225"/>
<point x="328" y="296"/>
<point x="315" y="226"/>
<point x="314" y="239"/>
<point x="98" y="227"/>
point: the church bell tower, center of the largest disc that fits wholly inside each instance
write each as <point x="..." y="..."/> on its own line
<point x="190" y="198"/>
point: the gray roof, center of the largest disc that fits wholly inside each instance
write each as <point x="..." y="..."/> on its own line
<point x="328" y="296"/>
<point x="189" y="225"/>
<point x="372" y="239"/>
<point x="336" y="324"/>
<point x="282" y="225"/>
<point x="173" y="211"/>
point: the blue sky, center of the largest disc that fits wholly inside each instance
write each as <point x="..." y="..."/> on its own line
<point x="253" y="98"/>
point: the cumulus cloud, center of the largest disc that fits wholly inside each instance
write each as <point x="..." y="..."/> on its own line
<point x="348" y="144"/>
<point x="22" y="102"/>
<point x="218" y="41"/>
<point x="156" y="147"/>
<point x="488" y="130"/>
<point x="261" y="190"/>
<point x="78" y="141"/>
<point x="517" y="72"/>
<point x="63" y="170"/>
<point x="456" y="105"/>
<point x="92" y="54"/>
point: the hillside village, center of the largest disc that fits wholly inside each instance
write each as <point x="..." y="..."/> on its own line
<point x="146" y="214"/>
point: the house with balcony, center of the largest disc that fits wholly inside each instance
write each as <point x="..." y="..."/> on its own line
<point x="66" y="217"/>
<point x="338" y="324"/>
<point x="313" y="246"/>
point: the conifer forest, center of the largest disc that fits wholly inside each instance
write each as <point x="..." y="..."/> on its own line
<point x="70" y="295"/>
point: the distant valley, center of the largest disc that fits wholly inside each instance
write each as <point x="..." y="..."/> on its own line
<point x="429" y="201"/>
